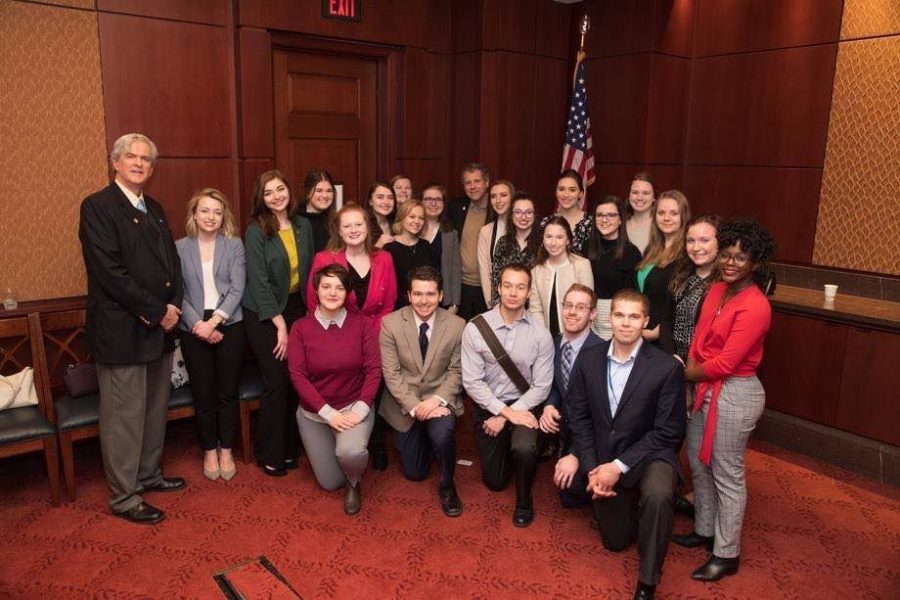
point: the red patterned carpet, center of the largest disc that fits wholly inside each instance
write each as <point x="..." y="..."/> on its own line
<point x="812" y="531"/>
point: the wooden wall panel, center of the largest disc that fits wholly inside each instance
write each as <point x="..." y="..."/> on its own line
<point x="176" y="179"/>
<point x="250" y="169"/>
<point x="615" y="178"/>
<point x="391" y="22"/>
<point x="465" y="131"/>
<point x="553" y="29"/>
<point x="734" y="26"/>
<point x="214" y="12"/>
<point x="166" y="79"/>
<point x="552" y="79"/>
<point x="467" y="24"/>
<point x="618" y="97"/>
<point x="254" y="78"/>
<point x="768" y="108"/>
<point x="667" y="109"/>
<point x="674" y="26"/>
<point x="616" y="27"/>
<point x="425" y="111"/>
<point x="509" y="25"/>
<point x="785" y="200"/>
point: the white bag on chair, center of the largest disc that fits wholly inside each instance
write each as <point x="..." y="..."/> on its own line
<point x="17" y="390"/>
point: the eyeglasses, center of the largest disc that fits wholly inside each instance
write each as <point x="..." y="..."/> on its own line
<point x="607" y="216"/>
<point x="432" y="200"/>
<point x="738" y="259"/>
<point x="523" y="213"/>
<point x="579" y="308"/>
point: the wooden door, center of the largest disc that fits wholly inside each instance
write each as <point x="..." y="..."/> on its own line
<point x="326" y="116"/>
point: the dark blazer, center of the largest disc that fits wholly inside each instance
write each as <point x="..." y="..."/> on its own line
<point x="558" y="395"/>
<point x="268" y="267"/>
<point x="229" y="272"/>
<point x="456" y="213"/>
<point x="650" y="420"/>
<point x="133" y="272"/>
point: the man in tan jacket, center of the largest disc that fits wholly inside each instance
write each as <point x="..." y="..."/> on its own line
<point x="420" y="358"/>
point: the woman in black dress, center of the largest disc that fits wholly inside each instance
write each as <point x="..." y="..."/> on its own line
<point x="408" y="249"/>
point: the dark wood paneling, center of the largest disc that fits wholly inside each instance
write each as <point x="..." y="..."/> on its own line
<point x="674" y="22"/>
<point x="618" y="97"/>
<point x="767" y="108"/>
<point x="802" y="367"/>
<point x="467" y="23"/>
<point x="667" y="109"/>
<point x="250" y="169"/>
<point x="509" y="25"/>
<point x="615" y="178"/>
<point x="423" y="172"/>
<point x="400" y="22"/>
<point x="465" y="131"/>
<point x="214" y="12"/>
<point x="784" y="200"/>
<point x="425" y="112"/>
<point x="616" y="27"/>
<point x="869" y="403"/>
<point x="724" y="27"/>
<point x="552" y="79"/>
<point x="166" y="79"/>
<point x="176" y="179"/>
<point x="554" y="27"/>
<point x="257" y="134"/>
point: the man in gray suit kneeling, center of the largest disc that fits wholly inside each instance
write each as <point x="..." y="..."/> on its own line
<point x="420" y="358"/>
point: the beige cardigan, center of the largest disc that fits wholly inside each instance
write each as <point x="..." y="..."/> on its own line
<point x="486" y="255"/>
<point x="577" y="270"/>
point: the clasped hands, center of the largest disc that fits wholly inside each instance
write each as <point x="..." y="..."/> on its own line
<point x="342" y="421"/>
<point x="602" y="479"/>
<point x="430" y="408"/>
<point x="206" y="331"/>
<point x="494" y="425"/>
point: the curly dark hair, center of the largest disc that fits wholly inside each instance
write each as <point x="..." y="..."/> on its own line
<point x="754" y="239"/>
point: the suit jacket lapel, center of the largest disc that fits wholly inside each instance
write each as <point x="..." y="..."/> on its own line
<point x="196" y="260"/>
<point x="641" y="364"/>
<point x="604" y="389"/>
<point x="434" y="343"/>
<point x="412" y="338"/>
<point x="218" y="254"/>
<point x="148" y="230"/>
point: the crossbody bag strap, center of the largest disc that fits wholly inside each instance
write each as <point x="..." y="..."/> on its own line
<point x="500" y="354"/>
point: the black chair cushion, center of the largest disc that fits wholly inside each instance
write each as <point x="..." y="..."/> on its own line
<point x="23" y="424"/>
<point x="75" y="413"/>
<point x="251" y="386"/>
<point x="181" y="397"/>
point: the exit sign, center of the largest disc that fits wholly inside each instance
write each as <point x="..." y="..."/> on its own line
<point x="346" y="10"/>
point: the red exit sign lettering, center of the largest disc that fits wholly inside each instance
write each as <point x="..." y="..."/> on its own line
<point x="346" y="10"/>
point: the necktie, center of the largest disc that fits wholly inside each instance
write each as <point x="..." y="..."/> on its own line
<point x="566" y="364"/>
<point x="423" y="339"/>
<point x="141" y="206"/>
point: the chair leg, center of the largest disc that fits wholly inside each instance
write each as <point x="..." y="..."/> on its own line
<point x="245" y="431"/>
<point x="52" y="458"/>
<point x="68" y="459"/>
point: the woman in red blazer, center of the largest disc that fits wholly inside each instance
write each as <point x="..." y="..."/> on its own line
<point x="372" y="280"/>
<point x="729" y="399"/>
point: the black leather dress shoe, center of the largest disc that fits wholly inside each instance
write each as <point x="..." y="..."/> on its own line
<point x="450" y="502"/>
<point x="142" y="514"/>
<point x="693" y="540"/>
<point x="167" y="484"/>
<point x="644" y="591"/>
<point x="352" y="499"/>
<point x="379" y="459"/>
<point x="716" y="568"/>
<point x="272" y="471"/>
<point x="522" y="517"/>
<point x="292" y="463"/>
<point x="684" y="506"/>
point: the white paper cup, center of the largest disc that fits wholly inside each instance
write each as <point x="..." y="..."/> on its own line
<point x="830" y="292"/>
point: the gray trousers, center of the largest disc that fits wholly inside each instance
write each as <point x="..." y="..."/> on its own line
<point x="720" y="490"/>
<point x="336" y="457"/>
<point x="134" y="400"/>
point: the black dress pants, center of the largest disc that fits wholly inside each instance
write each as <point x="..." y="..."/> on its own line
<point x="645" y="511"/>
<point x="432" y="438"/>
<point x="215" y="374"/>
<point x="514" y="443"/>
<point x="277" y="435"/>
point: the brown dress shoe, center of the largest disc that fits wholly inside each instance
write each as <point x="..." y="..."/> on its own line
<point x="352" y="499"/>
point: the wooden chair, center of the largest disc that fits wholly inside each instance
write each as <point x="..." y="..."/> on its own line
<point x="248" y="395"/>
<point x="78" y="418"/>
<point x="28" y="428"/>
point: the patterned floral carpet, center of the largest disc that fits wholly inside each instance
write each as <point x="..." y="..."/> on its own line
<point x="812" y="531"/>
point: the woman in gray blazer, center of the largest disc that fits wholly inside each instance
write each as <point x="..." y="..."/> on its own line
<point x="211" y="327"/>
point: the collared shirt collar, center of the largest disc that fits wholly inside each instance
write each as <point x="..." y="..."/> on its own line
<point x="631" y="357"/>
<point x="500" y="322"/>
<point x="578" y="342"/>
<point x="326" y="323"/>
<point x="430" y="321"/>
<point x="132" y="197"/>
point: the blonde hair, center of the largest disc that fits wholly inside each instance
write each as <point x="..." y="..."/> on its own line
<point x="228" y="226"/>
<point x="657" y="253"/>
<point x="403" y="211"/>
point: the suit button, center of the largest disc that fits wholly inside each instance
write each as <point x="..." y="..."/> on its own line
<point x="168" y="284"/>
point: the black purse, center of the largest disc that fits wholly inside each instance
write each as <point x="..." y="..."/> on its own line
<point x="81" y="380"/>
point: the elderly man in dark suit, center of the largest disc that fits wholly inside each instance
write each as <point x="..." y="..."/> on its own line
<point x="578" y="312"/>
<point x="627" y="412"/>
<point x="420" y="359"/>
<point x="134" y="299"/>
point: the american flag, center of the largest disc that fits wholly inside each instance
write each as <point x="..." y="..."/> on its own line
<point x="578" y="152"/>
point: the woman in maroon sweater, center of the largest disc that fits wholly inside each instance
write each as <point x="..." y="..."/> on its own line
<point x="335" y="366"/>
<point x="729" y="399"/>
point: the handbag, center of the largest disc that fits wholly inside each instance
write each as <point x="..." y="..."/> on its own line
<point x="81" y="380"/>
<point x="17" y="390"/>
<point x="500" y="354"/>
